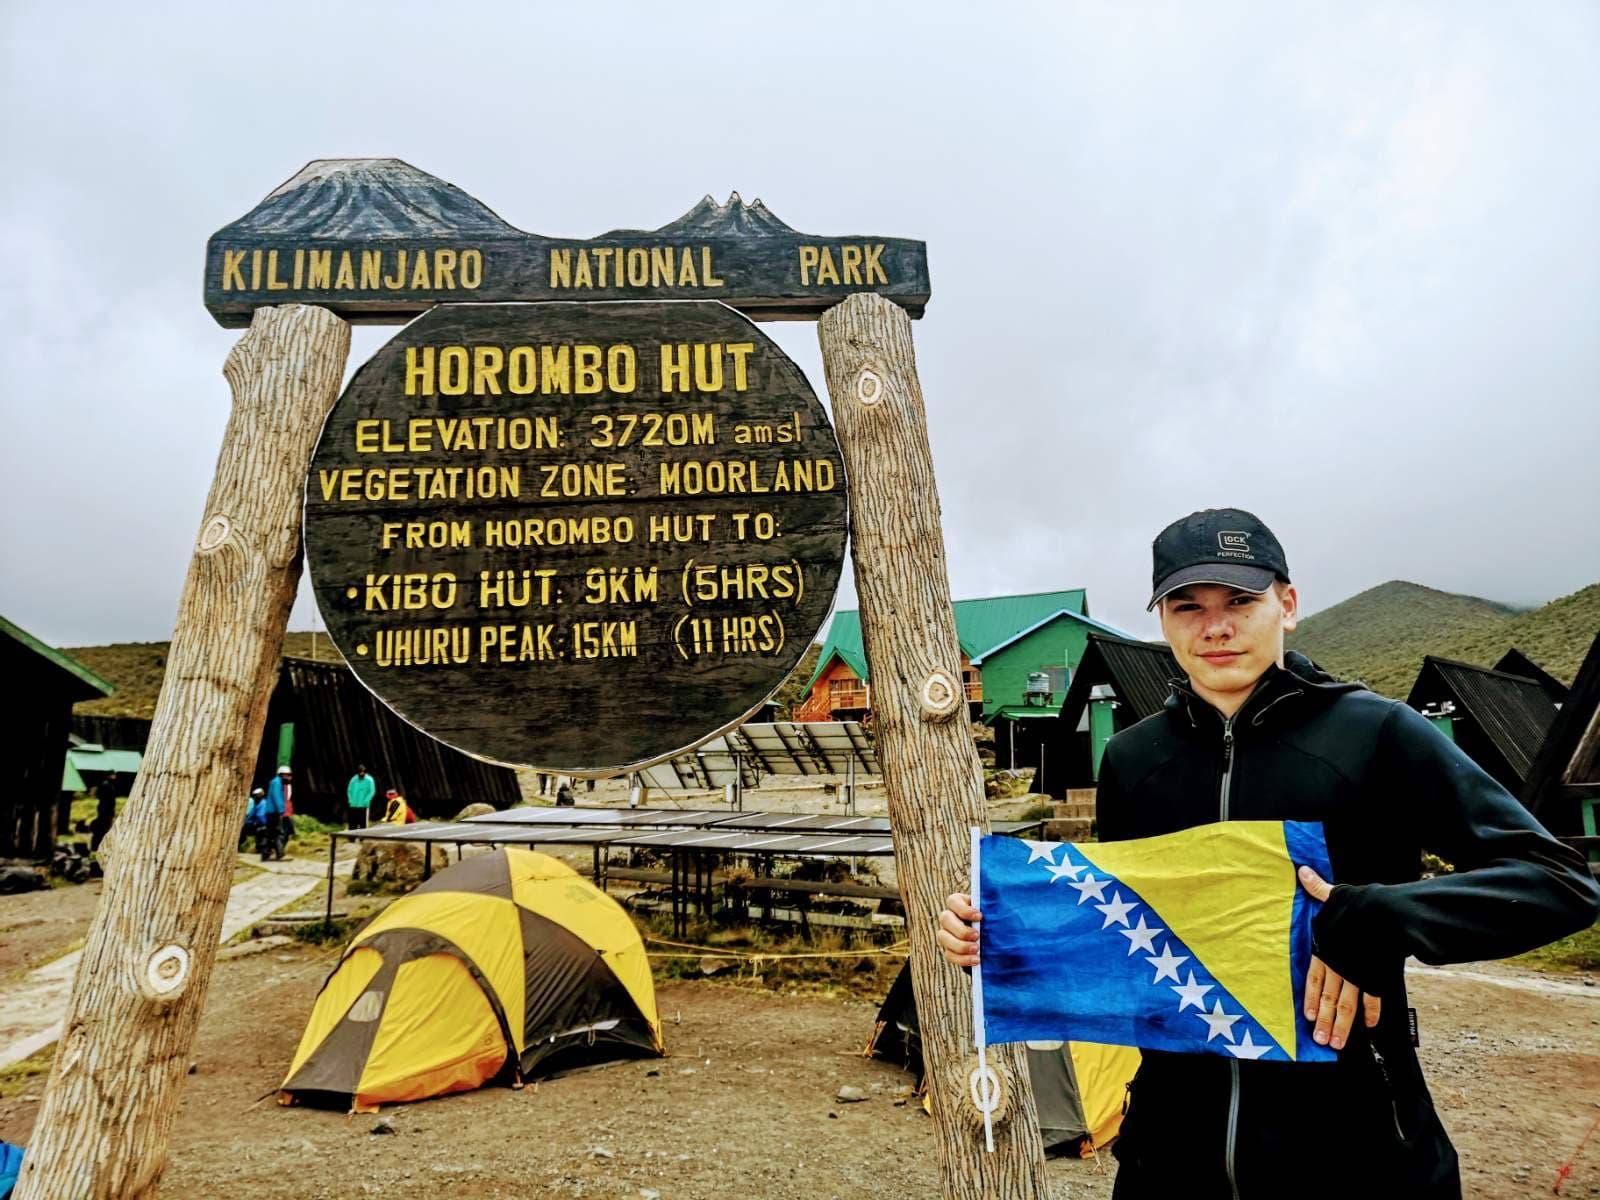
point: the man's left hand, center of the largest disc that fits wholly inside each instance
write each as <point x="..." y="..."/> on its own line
<point x="1331" y="1000"/>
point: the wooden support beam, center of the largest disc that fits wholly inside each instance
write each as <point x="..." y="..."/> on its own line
<point x="931" y="773"/>
<point x="102" y="1130"/>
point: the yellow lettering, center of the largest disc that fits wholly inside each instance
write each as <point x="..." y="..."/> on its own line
<point x="808" y="263"/>
<point x="419" y="370"/>
<point x="826" y="271"/>
<point x="471" y="268"/>
<point x="452" y="367"/>
<point x="686" y="273"/>
<point x="255" y="270"/>
<point x="675" y="367"/>
<point x="232" y="276"/>
<point x="419" y="275"/>
<point x="875" y="265"/>
<point x="850" y="256"/>
<point x="398" y="279"/>
<point x="487" y="363"/>
<point x="741" y="352"/>
<point x="586" y="369"/>
<point x="661" y="266"/>
<point x="560" y="268"/>
<point x="520" y="377"/>
<point x="581" y="276"/>
<point x="345" y="277"/>
<point x="299" y="269"/>
<point x="709" y="279"/>
<point x="554" y="369"/>
<point x="444" y="269"/>
<point x="371" y="269"/>
<point x="320" y="272"/>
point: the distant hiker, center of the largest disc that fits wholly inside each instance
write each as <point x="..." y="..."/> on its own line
<point x="105" y="795"/>
<point x="358" y="798"/>
<point x="564" y="794"/>
<point x="255" y="817"/>
<point x="544" y="782"/>
<point x="396" y="810"/>
<point x="1254" y="733"/>
<point x="276" y="810"/>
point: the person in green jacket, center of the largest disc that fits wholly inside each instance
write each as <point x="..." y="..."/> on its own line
<point x="358" y="798"/>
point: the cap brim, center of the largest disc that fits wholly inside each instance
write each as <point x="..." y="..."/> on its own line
<point x="1234" y="575"/>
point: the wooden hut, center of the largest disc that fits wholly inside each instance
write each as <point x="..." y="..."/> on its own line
<point x="42" y="685"/>
<point x="322" y="722"/>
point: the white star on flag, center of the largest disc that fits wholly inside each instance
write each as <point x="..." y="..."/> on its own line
<point x="1247" y="1048"/>
<point x="1069" y="869"/>
<point x="1192" y="992"/>
<point x="1166" y="965"/>
<point x="1090" y="886"/>
<point x="1038" y="850"/>
<point x="1141" y="937"/>
<point x="1116" y="910"/>
<point x="1218" y="1021"/>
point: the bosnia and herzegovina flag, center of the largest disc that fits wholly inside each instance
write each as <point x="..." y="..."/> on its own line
<point x="1197" y="941"/>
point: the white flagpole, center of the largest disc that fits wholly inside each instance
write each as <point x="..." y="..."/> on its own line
<point x="984" y="1084"/>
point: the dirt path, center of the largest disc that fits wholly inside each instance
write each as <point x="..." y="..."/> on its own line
<point x="745" y="1106"/>
<point x="31" y="1007"/>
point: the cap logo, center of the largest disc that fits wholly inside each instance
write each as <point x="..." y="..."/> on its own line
<point x="1234" y="543"/>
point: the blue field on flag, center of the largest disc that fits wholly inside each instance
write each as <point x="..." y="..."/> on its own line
<point x="1196" y="942"/>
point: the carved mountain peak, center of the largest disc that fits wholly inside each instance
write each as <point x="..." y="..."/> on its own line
<point x="368" y="197"/>
<point x="734" y="218"/>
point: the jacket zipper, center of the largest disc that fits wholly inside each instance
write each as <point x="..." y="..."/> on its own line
<point x="1233" y="1064"/>
<point x="1388" y="1089"/>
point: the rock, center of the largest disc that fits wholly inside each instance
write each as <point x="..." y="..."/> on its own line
<point x="473" y="810"/>
<point x="396" y="862"/>
<point x="602" y="1152"/>
<point x="716" y="964"/>
<point x="383" y="1125"/>
<point x="653" y="1072"/>
<point x="686" y="1071"/>
<point x="256" y="946"/>
<point x="833" y="1116"/>
<point x="850" y="1094"/>
<point x="905" y="1091"/>
<point x="193" y="1067"/>
<point x="649" y="1194"/>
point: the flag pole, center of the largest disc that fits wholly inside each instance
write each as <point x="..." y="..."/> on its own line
<point x="984" y="1083"/>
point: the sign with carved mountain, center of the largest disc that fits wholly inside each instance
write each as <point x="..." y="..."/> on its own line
<point x="578" y="536"/>
<point x="378" y="241"/>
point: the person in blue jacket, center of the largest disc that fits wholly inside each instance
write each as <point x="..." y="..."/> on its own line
<point x="254" y="817"/>
<point x="275" y="807"/>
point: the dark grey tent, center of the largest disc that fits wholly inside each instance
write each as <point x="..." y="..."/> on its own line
<point x="1078" y="1088"/>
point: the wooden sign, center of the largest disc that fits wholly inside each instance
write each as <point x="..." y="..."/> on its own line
<point x="378" y="241"/>
<point x="576" y="536"/>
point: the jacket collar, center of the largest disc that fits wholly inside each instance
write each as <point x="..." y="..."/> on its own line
<point x="1280" y="692"/>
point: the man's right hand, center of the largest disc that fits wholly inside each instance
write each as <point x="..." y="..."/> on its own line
<point x="958" y="931"/>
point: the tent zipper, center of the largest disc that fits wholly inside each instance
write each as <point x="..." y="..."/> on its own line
<point x="1233" y="1065"/>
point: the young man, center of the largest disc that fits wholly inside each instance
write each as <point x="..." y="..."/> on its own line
<point x="1253" y="734"/>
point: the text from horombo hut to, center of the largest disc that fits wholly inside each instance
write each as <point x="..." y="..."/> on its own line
<point x="486" y="370"/>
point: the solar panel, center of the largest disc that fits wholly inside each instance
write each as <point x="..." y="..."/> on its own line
<point x="769" y="748"/>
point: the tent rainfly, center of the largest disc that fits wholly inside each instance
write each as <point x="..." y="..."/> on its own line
<point x="505" y="966"/>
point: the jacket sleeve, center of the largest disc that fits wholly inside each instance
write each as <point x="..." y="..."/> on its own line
<point x="1514" y="888"/>
<point x="1111" y="816"/>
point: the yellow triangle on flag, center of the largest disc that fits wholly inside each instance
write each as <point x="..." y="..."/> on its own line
<point x="1227" y="892"/>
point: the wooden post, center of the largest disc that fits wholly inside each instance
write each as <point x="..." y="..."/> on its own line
<point x="119" y="1071"/>
<point x="931" y="771"/>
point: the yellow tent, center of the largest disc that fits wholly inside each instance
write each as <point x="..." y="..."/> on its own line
<point x="505" y="965"/>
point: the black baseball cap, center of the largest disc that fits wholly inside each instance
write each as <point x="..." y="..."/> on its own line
<point x="1216" y="545"/>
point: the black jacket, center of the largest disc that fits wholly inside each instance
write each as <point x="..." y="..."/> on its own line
<point x="1386" y="785"/>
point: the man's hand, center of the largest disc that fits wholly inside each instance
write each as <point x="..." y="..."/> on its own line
<point x="1330" y="998"/>
<point x="957" y="938"/>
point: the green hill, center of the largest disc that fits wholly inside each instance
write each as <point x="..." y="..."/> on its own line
<point x="1381" y="635"/>
<point x="137" y="668"/>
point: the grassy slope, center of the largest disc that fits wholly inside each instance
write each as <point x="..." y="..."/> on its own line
<point x="1382" y="634"/>
<point x="137" y="668"/>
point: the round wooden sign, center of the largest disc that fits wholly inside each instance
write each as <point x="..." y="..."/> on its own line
<point x="577" y="536"/>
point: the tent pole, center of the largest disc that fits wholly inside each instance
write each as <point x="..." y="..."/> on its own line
<point x="427" y="861"/>
<point x="333" y="846"/>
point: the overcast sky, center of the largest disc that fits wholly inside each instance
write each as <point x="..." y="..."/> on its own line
<point x="1333" y="263"/>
